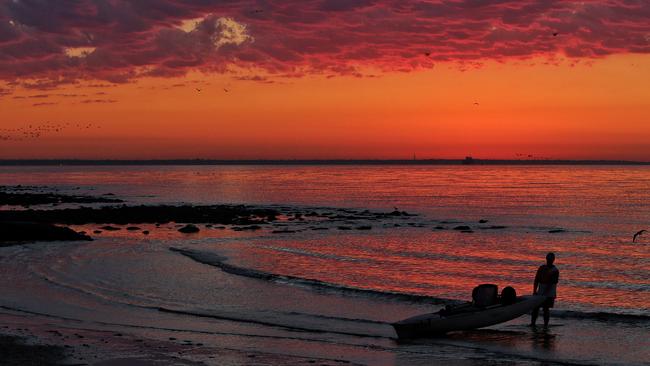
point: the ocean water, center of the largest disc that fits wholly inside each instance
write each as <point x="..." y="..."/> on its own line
<point x="332" y="294"/>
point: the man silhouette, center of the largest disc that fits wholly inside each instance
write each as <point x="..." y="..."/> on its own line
<point x="545" y="285"/>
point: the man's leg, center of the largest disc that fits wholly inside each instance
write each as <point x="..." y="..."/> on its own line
<point x="547" y="315"/>
<point x="533" y="318"/>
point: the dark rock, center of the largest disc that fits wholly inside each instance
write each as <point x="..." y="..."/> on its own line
<point x="283" y="231"/>
<point x="440" y="228"/>
<point x="13" y="231"/>
<point x="466" y="231"/>
<point x="8" y="196"/>
<point x="133" y="228"/>
<point x="97" y="232"/>
<point x="462" y="227"/>
<point x="189" y="229"/>
<point x="344" y="228"/>
<point x="555" y="231"/>
<point x="218" y="214"/>
<point x="492" y="227"/>
<point x="482" y="221"/>
<point x="20" y="351"/>
<point x="242" y="228"/>
<point x="110" y="228"/>
<point x="319" y="228"/>
<point x="145" y="232"/>
<point x="364" y="227"/>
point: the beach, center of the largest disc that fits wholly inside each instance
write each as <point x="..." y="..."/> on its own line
<point x="296" y="265"/>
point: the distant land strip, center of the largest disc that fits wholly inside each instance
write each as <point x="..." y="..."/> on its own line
<point x="78" y="162"/>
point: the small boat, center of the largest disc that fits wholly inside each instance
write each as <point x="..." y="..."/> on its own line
<point x="468" y="160"/>
<point x="465" y="317"/>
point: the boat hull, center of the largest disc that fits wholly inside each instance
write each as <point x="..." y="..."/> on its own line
<point x="428" y="325"/>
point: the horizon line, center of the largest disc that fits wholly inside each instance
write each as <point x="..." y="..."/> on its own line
<point x="202" y="161"/>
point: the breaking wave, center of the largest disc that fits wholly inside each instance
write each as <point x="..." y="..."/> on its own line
<point x="220" y="262"/>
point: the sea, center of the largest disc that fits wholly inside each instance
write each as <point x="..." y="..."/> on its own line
<point x="328" y="294"/>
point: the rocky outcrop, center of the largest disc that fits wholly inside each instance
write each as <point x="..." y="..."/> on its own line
<point x="16" y="231"/>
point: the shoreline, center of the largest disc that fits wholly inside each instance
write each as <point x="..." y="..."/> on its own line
<point x="27" y="339"/>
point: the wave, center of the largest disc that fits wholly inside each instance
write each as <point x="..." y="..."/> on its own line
<point x="220" y="262"/>
<point x="295" y="326"/>
<point x="602" y="316"/>
<point x="307" y="253"/>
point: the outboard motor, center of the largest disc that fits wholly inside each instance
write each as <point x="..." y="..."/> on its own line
<point x="508" y="296"/>
<point x="485" y="295"/>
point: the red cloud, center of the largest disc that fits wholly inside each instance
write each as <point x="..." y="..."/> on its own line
<point x="43" y="44"/>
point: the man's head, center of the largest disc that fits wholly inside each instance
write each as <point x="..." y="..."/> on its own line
<point x="550" y="258"/>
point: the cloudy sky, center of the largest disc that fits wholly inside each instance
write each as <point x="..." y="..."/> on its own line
<point x="324" y="79"/>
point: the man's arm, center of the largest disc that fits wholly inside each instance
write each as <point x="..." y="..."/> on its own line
<point x="536" y="282"/>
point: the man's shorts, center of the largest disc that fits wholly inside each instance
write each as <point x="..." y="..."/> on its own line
<point x="549" y="302"/>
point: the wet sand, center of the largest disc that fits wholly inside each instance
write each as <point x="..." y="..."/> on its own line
<point x="27" y="340"/>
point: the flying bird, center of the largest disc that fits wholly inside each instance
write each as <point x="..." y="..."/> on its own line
<point x="476" y="103"/>
<point x="555" y="34"/>
<point x="638" y="234"/>
<point x="198" y="90"/>
<point x="427" y="54"/>
<point x="226" y="90"/>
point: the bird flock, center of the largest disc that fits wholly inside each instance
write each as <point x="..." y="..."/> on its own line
<point x="35" y="131"/>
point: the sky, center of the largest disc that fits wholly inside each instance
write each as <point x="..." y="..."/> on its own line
<point x="324" y="79"/>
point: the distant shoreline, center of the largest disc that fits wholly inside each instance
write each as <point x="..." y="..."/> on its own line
<point x="118" y="162"/>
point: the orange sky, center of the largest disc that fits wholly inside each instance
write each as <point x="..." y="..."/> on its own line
<point x="595" y="111"/>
